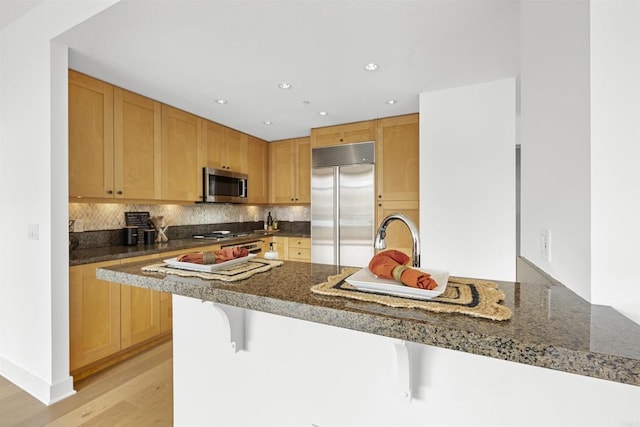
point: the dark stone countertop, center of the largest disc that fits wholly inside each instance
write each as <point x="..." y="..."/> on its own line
<point x="551" y="327"/>
<point x="109" y="253"/>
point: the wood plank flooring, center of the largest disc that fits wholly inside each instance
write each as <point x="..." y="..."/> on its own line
<point x="136" y="392"/>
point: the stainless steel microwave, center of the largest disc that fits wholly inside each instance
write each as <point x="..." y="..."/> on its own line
<point x="223" y="186"/>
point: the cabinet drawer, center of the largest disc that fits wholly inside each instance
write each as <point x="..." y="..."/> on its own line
<point x="299" y="254"/>
<point x="302" y="242"/>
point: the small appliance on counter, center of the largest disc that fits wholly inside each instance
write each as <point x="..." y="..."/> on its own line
<point x="130" y="233"/>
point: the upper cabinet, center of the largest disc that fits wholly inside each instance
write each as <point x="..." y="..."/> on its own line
<point x="226" y="148"/>
<point x="343" y="134"/>
<point x="397" y="160"/>
<point x="137" y="146"/>
<point x="290" y="169"/>
<point x="90" y="137"/>
<point x="114" y="142"/>
<point x="182" y="155"/>
<point x="258" y="163"/>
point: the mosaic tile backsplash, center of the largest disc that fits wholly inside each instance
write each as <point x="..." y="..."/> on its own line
<point x="110" y="216"/>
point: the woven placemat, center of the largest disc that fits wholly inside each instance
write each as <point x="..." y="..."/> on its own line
<point x="478" y="298"/>
<point x="230" y="274"/>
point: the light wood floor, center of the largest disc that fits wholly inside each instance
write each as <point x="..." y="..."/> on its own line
<point x="136" y="392"/>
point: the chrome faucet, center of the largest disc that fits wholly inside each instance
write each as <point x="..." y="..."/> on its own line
<point x="379" y="242"/>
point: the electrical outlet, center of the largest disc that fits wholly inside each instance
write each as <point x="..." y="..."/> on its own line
<point x="545" y="245"/>
<point x="33" y="232"/>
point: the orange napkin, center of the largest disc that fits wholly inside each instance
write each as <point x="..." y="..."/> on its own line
<point x="216" y="257"/>
<point x="391" y="264"/>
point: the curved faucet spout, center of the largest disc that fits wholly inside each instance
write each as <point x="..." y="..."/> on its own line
<point x="379" y="242"/>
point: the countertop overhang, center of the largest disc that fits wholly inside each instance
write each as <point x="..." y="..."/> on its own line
<point x="551" y="327"/>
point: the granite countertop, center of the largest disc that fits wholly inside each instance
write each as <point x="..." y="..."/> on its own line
<point x="108" y="253"/>
<point x="551" y="327"/>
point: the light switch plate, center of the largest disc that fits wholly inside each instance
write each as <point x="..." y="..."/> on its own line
<point x="545" y="245"/>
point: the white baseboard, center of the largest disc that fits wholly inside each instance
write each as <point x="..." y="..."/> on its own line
<point x="34" y="385"/>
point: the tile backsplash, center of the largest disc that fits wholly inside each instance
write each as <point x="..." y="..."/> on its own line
<point x="110" y="216"/>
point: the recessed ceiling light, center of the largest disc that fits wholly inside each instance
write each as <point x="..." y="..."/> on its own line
<point x="371" y="66"/>
<point x="323" y="113"/>
<point x="221" y="101"/>
<point x="267" y="122"/>
<point x="391" y="101"/>
<point x="284" y="86"/>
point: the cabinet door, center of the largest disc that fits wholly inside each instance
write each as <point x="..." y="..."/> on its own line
<point x="303" y="170"/>
<point x="258" y="177"/>
<point x="398" y="235"/>
<point x="236" y="151"/>
<point x="182" y="156"/>
<point x="214" y="136"/>
<point x="94" y="315"/>
<point x="140" y="311"/>
<point x="90" y="137"/>
<point x="281" y="245"/>
<point x="343" y="134"/>
<point x="137" y="147"/>
<point x="397" y="159"/>
<point x="282" y="157"/>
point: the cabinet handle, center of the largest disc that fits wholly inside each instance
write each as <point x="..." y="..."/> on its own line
<point x="109" y="192"/>
<point x="379" y="204"/>
<point x="379" y="196"/>
<point x="119" y="192"/>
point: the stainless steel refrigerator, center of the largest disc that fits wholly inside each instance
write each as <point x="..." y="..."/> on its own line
<point x="342" y="204"/>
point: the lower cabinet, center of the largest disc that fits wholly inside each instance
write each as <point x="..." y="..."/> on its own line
<point x="108" y="321"/>
<point x="293" y="248"/>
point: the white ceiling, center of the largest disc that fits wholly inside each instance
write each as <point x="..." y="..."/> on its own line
<point x="189" y="53"/>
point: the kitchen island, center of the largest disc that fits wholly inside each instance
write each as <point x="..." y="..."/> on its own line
<point x="297" y="358"/>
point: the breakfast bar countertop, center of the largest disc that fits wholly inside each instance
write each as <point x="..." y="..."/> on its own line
<point x="551" y="326"/>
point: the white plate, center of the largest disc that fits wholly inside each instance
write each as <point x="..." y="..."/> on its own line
<point x="365" y="280"/>
<point x="207" y="268"/>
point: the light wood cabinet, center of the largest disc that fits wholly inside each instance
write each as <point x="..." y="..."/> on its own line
<point x="90" y="137"/>
<point x="137" y="146"/>
<point x="114" y="142"/>
<point x="299" y="249"/>
<point x="182" y="155"/>
<point x="226" y="148"/>
<point x="94" y="315"/>
<point x="397" y="177"/>
<point x="258" y="167"/>
<point x="398" y="234"/>
<point x="290" y="170"/>
<point x="140" y="311"/>
<point x="108" y="321"/>
<point x="292" y="248"/>
<point x="343" y="134"/>
<point x="397" y="158"/>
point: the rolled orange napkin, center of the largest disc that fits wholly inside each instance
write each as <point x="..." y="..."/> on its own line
<point x="391" y="264"/>
<point x="215" y="257"/>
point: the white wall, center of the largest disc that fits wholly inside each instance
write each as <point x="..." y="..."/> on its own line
<point x="298" y="373"/>
<point x="34" y="350"/>
<point x="555" y="138"/>
<point x="580" y="109"/>
<point x="615" y="155"/>
<point x="467" y="179"/>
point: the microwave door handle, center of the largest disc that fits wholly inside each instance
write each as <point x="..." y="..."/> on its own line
<point x="243" y="187"/>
